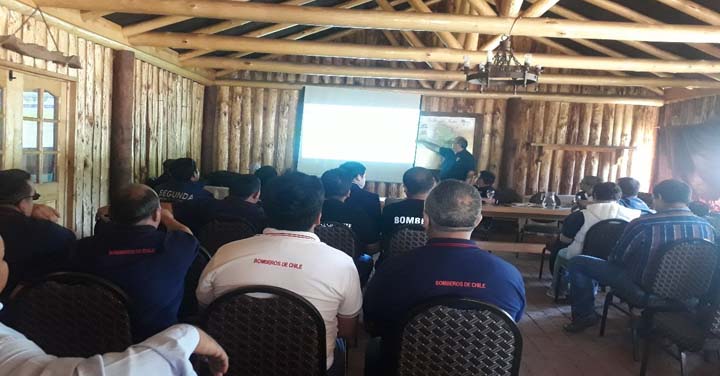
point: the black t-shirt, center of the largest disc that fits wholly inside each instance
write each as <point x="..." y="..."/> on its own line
<point x="149" y="265"/>
<point x="338" y="211"/>
<point x="33" y="247"/>
<point x="403" y="213"/>
<point x="464" y="163"/>
<point x="197" y="213"/>
<point x="365" y="201"/>
<point x="176" y="191"/>
<point x="572" y="224"/>
<point x="484" y="190"/>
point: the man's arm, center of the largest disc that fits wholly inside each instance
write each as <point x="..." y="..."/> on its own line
<point x="347" y="327"/>
<point x="166" y="353"/>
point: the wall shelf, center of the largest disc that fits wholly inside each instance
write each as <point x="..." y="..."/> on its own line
<point x="597" y="149"/>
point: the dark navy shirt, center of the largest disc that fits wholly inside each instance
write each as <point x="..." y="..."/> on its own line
<point x="636" y="203"/>
<point x="464" y="162"/>
<point x="366" y="201"/>
<point x="197" y="213"/>
<point x="149" y="265"/>
<point x="365" y="230"/>
<point x="33" y="247"/>
<point x="484" y="190"/>
<point x="176" y="191"/>
<point x="443" y="267"/>
<point x="403" y="213"/>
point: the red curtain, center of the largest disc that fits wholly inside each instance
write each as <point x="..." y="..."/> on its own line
<point x="692" y="154"/>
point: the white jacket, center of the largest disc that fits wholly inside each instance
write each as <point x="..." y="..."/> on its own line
<point x="595" y="213"/>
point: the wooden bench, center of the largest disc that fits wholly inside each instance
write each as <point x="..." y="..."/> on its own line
<point x="527" y="248"/>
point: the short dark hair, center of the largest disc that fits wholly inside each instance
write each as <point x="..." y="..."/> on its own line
<point x="487" y="176"/>
<point x="462" y="141"/>
<point x="265" y="173"/>
<point x="672" y="191"/>
<point x="167" y="165"/>
<point x="183" y="169"/>
<point x="133" y="203"/>
<point x="354" y="168"/>
<point x="453" y="205"/>
<point x="699" y="208"/>
<point x="337" y="182"/>
<point x="14" y="186"/>
<point x="244" y="186"/>
<point x="418" y="180"/>
<point x="607" y="192"/>
<point x="293" y="201"/>
<point x="630" y="187"/>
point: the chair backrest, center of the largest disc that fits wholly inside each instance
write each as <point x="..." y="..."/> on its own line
<point x="602" y="237"/>
<point x="406" y="238"/>
<point x="225" y="230"/>
<point x="72" y="314"/>
<point x="338" y="236"/>
<point x="681" y="270"/>
<point x="189" y="306"/>
<point x="458" y="336"/>
<point x="268" y="331"/>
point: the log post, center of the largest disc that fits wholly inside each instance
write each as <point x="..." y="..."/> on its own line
<point x="121" y="132"/>
<point x="209" y="115"/>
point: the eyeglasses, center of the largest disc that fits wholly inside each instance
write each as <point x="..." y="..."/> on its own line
<point x="34" y="197"/>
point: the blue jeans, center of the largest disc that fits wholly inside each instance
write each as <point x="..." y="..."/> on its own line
<point x="584" y="273"/>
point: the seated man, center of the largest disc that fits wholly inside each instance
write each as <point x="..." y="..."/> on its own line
<point x="586" y="189"/>
<point x="485" y="182"/>
<point x="630" y="188"/>
<point x="183" y="184"/>
<point x="164" y="177"/>
<point x="418" y="182"/>
<point x="35" y="246"/>
<point x="149" y="265"/>
<point x="572" y="237"/>
<point x="289" y="255"/>
<point x="167" y="353"/>
<point x="450" y="264"/>
<point x="642" y="237"/>
<point x="360" y="198"/>
<point x="242" y="203"/>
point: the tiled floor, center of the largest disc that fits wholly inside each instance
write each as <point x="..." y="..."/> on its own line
<point x="548" y="351"/>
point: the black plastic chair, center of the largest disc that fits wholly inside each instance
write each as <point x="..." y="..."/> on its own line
<point x="405" y="239"/>
<point x="223" y="231"/>
<point x="679" y="273"/>
<point x="599" y="242"/>
<point x="72" y="315"/>
<point x="540" y="227"/>
<point x="189" y="307"/>
<point x="268" y="330"/>
<point x="338" y="236"/>
<point x="688" y="330"/>
<point x="458" y="336"/>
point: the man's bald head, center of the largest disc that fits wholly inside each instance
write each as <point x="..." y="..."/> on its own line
<point x="453" y="206"/>
<point x="133" y="203"/>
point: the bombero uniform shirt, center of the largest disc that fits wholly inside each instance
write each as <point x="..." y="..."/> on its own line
<point x="149" y="265"/>
<point x="442" y="267"/>
<point x="33" y="247"/>
<point x="364" y="228"/>
<point x="403" y="213"/>
<point x="197" y="213"/>
<point x="177" y="191"/>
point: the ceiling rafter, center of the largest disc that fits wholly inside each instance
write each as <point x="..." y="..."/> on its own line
<point x="509" y="8"/>
<point x="409" y="21"/>
<point x="695" y="10"/>
<point x="535" y="10"/>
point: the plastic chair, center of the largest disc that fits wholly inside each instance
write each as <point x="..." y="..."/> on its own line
<point x="405" y="239"/>
<point x="338" y="236"/>
<point x="223" y="231"/>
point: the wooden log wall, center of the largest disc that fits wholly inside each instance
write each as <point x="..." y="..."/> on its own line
<point x="167" y="120"/>
<point x="694" y="111"/>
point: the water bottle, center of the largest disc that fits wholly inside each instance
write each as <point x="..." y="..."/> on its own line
<point x="549" y="200"/>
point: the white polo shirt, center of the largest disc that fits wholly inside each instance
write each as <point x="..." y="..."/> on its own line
<point x="295" y="261"/>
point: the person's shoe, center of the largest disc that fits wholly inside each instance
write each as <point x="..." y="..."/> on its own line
<point x="551" y="293"/>
<point x="580" y="324"/>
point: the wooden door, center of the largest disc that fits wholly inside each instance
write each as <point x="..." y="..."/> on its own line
<point x="33" y="128"/>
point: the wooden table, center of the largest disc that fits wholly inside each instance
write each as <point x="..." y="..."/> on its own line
<point x="524" y="212"/>
<point x="530" y="248"/>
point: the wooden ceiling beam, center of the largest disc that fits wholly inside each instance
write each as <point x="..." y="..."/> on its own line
<point x="153" y="24"/>
<point x="482" y="8"/>
<point x="434" y="54"/>
<point x="446" y="37"/>
<point x="93" y="15"/>
<point x="695" y="10"/>
<point x="536" y="10"/>
<point x="542" y="97"/>
<point x="635" y="16"/>
<point x="510" y="8"/>
<point x="431" y="75"/>
<point x="405" y="21"/>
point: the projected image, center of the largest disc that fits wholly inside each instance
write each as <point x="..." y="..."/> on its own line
<point x="372" y="134"/>
<point x="440" y="131"/>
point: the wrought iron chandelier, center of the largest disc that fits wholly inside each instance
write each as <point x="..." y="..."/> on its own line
<point x="503" y="69"/>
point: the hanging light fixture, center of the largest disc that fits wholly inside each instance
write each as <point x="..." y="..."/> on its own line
<point x="503" y="69"/>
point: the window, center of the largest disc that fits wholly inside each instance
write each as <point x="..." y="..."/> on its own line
<point x="39" y="135"/>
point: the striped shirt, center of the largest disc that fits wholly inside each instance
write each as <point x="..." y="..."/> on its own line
<point x="645" y="235"/>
